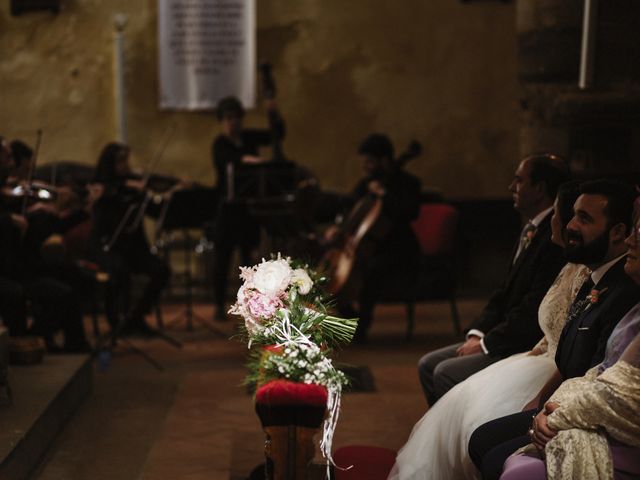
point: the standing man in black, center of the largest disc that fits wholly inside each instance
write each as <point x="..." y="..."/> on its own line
<point x="509" y="322"/>
<point x="602" y="220"/>
<point x="234" y="226"/>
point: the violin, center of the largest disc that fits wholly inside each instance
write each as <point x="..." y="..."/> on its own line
<point x="15" y="193"/>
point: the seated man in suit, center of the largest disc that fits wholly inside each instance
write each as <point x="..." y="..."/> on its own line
<point x="596" y="234"/>
<point x="509" y="322"/>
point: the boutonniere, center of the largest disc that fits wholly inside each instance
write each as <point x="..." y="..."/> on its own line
<point x="594" y="296"/>
<point x="528" y="237"/>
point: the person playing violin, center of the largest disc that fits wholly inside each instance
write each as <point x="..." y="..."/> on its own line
<point x="13" y="302"/>
<point x="119" y="244"/>
<point x="235" y="226"/>
<point x="393" y="256"/>
<point x="22" y="156"/>
<point x="55" y="297"/>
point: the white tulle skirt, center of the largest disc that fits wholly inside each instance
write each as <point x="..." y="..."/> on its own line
<point x="437" y="448"/>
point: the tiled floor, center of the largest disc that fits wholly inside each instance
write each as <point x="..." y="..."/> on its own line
<point x="194" y="420"/>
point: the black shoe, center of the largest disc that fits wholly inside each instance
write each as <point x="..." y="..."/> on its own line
<point x="137" y="328"/>
<point x="53" y="349"/>
<point x="80" y="347"/>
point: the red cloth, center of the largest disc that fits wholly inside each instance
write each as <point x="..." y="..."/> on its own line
<point x="369" y="463"/>
<point x="284" y="392"/>
<point x="435" y="228"/>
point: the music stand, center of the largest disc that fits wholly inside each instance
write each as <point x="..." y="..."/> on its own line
<point x="264" y="180"/>
<point x="105" y="344"/>
<point x="269" y="192"/>
<point x="188" y="209"/>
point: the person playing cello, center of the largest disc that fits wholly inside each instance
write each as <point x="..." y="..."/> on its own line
<point x="392" y="256"/>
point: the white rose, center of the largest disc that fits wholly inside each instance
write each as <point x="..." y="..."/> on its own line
<point x="272" y="278"/>
<point x="300" y="278"/>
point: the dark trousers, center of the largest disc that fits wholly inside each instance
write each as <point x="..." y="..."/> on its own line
<point x="389" y="272"/>
<point x="121" y="265"/>
<point x="441" y="370"/>
<point x="56" y="305"/>
<point x="234" y="228"/>
<point x="492" y="443"/>
<point x="13" y="306"/>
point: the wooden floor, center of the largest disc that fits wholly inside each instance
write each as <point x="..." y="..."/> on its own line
<point x="194" y="420"/>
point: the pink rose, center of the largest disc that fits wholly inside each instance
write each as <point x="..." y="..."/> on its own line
<point x="262" y="306"/>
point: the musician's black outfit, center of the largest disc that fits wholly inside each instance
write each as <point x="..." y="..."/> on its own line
<point x="234" y="224"/>
<point x="13" y="301"/>
<point x="128" y="254"/>
<point x="393" y="263"/>
<point x="55" y="293"/>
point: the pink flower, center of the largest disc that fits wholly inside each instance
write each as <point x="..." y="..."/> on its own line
<point x="262" y="306"/>
<point x="594" y="296"/>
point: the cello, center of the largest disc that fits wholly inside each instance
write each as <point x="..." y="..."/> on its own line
<point x="363" y="229"/>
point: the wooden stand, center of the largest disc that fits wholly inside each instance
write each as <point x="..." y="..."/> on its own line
<point x="291" y="451"/>
<point x="290" y="425"/>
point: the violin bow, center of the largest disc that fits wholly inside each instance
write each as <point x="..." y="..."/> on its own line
<point x="32" y="169"/>
<point x="168" y="134"/>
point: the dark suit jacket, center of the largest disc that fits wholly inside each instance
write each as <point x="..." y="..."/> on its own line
<point x="584" y="339"/>
<point x="510" y="319"/>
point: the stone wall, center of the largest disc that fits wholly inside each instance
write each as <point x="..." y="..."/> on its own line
<point x="440" y="71"/>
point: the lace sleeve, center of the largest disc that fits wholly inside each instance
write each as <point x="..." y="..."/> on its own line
<point x="541" y="347"/>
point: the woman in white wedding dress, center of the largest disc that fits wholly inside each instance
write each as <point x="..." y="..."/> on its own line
<point x="437" y="446"/>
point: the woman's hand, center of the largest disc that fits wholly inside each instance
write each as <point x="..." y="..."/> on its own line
<point x="540" y="431"/>
<point x="20" y="222"/>
<point x="138" y="185"/>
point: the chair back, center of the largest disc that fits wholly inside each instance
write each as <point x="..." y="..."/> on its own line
<point x="435" y="228"/>
<point x="76" y="240"/>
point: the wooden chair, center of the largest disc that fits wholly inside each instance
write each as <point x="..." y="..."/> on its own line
<point x="436" y="228"/>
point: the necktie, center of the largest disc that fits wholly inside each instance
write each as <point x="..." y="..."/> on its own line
<point x="525" y="239"/>
<point x="581" y="301"/>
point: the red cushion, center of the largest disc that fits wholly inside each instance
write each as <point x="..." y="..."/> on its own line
<point x="369" y="463"/>
<point x="435" y="228"/>
<point x="284" y="392"/>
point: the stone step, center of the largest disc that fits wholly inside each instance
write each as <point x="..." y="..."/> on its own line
<point x="45" y="397"/>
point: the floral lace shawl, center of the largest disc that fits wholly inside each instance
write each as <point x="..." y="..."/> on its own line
<point x="555" y="305"/>
<point x="592" y="407"/>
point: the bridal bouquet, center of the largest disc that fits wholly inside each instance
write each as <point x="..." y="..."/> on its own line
<point x="282" y="301"/>
<point x="290" y="332"/>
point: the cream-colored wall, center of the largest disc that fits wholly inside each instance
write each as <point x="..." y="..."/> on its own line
<point x="440" y="71"/>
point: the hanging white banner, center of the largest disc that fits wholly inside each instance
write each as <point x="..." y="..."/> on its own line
<point x="206" y="52"/>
